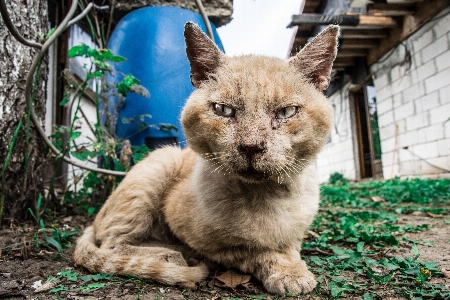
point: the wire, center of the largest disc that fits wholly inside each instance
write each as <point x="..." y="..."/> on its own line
<point x="28" y="90"/>
<point x="205" y="18"/>
<point x="13" y="30"/>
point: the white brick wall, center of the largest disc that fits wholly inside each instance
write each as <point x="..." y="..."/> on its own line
<point x="420" y="104"/>
<point x="338" y="156"/>
<point x="416" y="98"/>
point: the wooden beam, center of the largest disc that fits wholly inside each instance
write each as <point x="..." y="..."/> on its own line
<point x="390" y="10"/>
<point x="376" y="22"/>
<point x="359" y="44"/>
<point x="343" y="62"/>
<point x="353" y="20"/>
<point x="352" y="53"/>
<point x="426" y="10"/>
<point x="364" y="34"/>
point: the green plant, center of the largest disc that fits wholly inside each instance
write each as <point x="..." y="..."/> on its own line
<point x="337" y="178"/>
<point x="356" y="231"/>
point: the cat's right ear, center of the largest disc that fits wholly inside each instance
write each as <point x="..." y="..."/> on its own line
<point x="203" y="55"/>
<point x="315" y="60"/>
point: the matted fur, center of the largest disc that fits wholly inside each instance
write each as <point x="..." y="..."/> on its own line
<point x="244" y="192"/>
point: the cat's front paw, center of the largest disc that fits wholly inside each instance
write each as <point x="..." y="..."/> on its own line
<point x="281" y="284"/>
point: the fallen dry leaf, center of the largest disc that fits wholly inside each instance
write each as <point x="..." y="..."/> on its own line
<point x="434" y="215"/>
<point x="378" y="199"/>
<point x="379" y="223"/>
<point x="417" y="213"/>
<point x="231" y="279"/>
<point x="445" y="272"/>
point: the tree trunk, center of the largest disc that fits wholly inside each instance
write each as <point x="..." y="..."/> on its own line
<point x="22" y="179"/>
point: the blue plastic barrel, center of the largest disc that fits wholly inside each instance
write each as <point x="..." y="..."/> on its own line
<point x="152" y="41"/>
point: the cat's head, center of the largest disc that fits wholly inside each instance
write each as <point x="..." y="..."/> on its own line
<point x="257" y="117"/>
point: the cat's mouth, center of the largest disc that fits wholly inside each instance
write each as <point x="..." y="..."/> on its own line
<point x="252" y="174"/>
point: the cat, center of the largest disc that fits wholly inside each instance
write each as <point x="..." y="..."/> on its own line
<point x="246" y="189"/>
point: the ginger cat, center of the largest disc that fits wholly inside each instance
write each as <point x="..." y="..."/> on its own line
<point x="244" y="191"/>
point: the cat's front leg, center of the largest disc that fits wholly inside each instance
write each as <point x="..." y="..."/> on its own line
<point x="283" y="273"/>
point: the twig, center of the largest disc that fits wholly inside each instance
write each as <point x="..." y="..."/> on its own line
<point x="312" y="250"/>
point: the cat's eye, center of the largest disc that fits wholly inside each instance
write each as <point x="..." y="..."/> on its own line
<point x="223" y="110"/>
<point x="286" y="112"/>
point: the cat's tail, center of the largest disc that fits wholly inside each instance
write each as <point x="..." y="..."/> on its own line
<point x="98" y="260"/>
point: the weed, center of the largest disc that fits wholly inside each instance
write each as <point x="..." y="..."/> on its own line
<point x="357" y="228"/>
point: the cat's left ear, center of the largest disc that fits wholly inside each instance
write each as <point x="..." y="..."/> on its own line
<point x="203" y="55"/>
<point x="315" y="60"/>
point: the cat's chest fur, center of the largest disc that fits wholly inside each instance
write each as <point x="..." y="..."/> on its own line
<point x="237" y="215"/>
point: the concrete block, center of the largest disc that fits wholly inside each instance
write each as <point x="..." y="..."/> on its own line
<point x="442" y="61"/>
<point x="427" y="102"/>
<point x="411" y="93"/>
<point x="444" y="95"/>
<point x="434" y="132"/>
<point x="395" y="73"/>
<point x="389" y="144"/>
<point x="410" y="168"/>
<point x="410" y="138"/>
<point x="426" y="70"/>
<point x="401" y="84"/>
<point x="436" y="165"/>
<point x="435" y="48"/>
<point x="382" y="80"/>
<point x="404" y="155"/>
<point x="443" y="147"/>
<point x="447" y="129"/>
<point x="384" y="93"/>
<point x="384" y="106"/>
<point x="386" y="118"/>
<point x="437" y="81"/>
<point x="404" y="111"/>
<point x="423" y="41"/>
<point x="417" y="121"/>
<point x="387" y="132"/>
<point x="397" y="100"/>
<point x="439" y="114"/>
<point x="425" y="151"/>
<point x="442" y="27"/>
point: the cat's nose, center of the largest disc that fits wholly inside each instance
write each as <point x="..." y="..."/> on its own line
<point x="250" y="150"/>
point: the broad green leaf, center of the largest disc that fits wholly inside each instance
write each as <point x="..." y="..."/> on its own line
<point x="79" y="50"/>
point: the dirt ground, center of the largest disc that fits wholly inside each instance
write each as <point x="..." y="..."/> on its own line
<point x="21" y="267"/>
